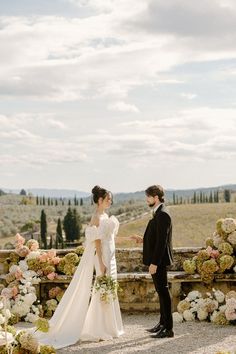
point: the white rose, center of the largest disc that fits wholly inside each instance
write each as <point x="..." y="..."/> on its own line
<point x="2" y="319"/>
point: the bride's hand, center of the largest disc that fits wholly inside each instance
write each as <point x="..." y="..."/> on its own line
<point x="103" y="268"/>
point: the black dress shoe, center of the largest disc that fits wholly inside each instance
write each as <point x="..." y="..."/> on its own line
<point x="164" y="333"/>
<point x="156" y="328"/>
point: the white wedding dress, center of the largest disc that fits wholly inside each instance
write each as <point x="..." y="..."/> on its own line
<point x="76" y="317"/>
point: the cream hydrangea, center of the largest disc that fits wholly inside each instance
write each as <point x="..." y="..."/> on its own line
<point x="188" y="315"/>
<point x="228" y="225"/>
<point x="232" y="238"/>
<point x="202" y="314"/>
<point x="183" y="305"/>
<point x="177" y="317"/>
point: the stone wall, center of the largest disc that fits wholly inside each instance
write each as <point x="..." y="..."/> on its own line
<point x="138" y="290"/>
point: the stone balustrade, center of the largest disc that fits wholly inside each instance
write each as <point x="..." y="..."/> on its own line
<point x="138" y="291"/>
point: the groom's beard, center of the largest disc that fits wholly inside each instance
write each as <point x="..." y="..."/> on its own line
<point x="151" y="205"/>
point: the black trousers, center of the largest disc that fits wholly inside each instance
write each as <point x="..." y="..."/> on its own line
<point x="161" y="285"/>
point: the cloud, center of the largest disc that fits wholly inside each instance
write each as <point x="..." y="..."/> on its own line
<point x="123" y="107"/>
<point x="189" y="96"/>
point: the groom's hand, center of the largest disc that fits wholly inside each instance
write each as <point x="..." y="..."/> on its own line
<point x="137" y="238"/>
<point x="152" y="269"/>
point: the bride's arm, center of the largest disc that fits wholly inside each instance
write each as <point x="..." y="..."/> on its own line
<point x="95" y="222"/>
<point x="99" y="254"/>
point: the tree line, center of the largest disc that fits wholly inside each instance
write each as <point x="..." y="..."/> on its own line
<point x="201" y="197"/>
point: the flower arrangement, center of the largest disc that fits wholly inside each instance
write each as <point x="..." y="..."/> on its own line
<point x="13" y="342"/>
<point x="25" y="266"/>
<point x="215" y="307"/>
<point x="107" y="287"/>
<point x="220" y="254"/>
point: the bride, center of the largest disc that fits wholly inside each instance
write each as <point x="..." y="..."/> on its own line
<point x="80" y="316"/>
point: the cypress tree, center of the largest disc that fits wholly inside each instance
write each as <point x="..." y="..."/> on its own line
<point x="43" y="229"/>
<point x="59" y="236"/>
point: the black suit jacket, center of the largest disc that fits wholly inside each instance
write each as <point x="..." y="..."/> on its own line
<point x="157" y="241"/>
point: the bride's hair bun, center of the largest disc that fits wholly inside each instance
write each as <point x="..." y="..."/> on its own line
<point x="99" y="192"/>
<point x="95" y="189"/>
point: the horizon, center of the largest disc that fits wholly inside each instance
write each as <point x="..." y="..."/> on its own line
<point x="9" y="190"/>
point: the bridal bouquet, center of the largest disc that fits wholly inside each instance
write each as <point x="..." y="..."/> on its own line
<point x="107" y="287"/>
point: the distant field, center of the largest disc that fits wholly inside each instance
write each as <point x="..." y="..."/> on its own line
<point x="192" y="223"/>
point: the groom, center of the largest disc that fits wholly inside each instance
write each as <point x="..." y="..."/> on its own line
<point x="157" y="254"/>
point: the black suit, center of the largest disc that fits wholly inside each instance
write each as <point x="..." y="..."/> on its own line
<point x="157" y="250"/>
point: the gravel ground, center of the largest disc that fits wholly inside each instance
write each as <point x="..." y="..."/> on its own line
<point x="191" y="337"/>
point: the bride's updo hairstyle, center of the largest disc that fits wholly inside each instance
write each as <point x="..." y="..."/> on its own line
<point x="98" y="192"/>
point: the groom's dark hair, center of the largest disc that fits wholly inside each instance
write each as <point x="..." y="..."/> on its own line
<point x="156" y="190"/>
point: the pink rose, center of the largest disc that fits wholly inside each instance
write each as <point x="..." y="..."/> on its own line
<point x="230" y="315"/>
<point x="22" y="251"/>
<point x="56" y="260"/>
<point x="52" y="253"/>
<point x="43" y="257"/>
<point x="215" y="253"/>
<point x="209" y="250"/>
<point x="14" y="291"/>
<point x="51" y="276"/>
<point x="19" y="240"/>
<point x="18" y="274"/>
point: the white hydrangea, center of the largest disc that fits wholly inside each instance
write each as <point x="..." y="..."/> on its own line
<point x="202" y="314"/>
<point x="222" y="308"/>
<point x="21" y="309"/>
<point x="14" y="268"/>
<point x="29" y="299"/>
<point x="31" y="317"/>
<point x="219" y="296"/>
<point x="177" y="317"/>
<point x="188" y="315"/>
<point x="33" y="255"/>
<point x="2" y="319"/>
<point x="23" y="265"/>
<point x="6" y="313"/>
<point x="193" y="295"/>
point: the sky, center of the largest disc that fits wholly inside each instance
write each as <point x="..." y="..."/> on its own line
<point x="123" y="94"/>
